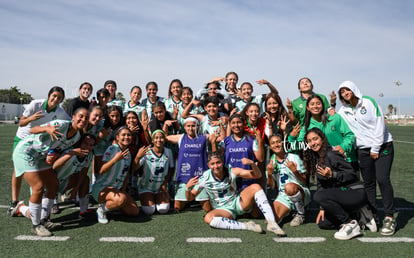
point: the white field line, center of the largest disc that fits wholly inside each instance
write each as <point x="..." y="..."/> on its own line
<point x="299" y="239"/>
<point x="128" y="239"/>
<point x="386" y="239"/>
<point x="404" y="142"/>
<point x="311" y="209"/>
<point x="213" y="240"/>
<point x="38" y="238"/>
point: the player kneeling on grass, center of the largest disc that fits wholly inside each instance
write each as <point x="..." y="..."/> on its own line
<point x="220" y="185"/>
<point x="339" y="193"/>
<point x="158" y="168"/>
<point x="71" y="169"/>
<point x="109" y="188"/>
<point x="290" y="176"/>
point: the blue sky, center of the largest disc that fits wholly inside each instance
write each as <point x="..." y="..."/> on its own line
<point x="47" y="43"/>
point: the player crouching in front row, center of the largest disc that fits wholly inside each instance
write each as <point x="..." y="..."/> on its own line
<point x="220" y="185"/>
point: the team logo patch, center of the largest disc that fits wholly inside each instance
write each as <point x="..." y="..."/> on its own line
<point x="333" y="128"/>
<point x="301" y="106"/>
<point x="363" y="110"/>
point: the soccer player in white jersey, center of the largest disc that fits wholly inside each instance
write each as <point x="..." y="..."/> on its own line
<point x="290" y="175"/>
<point x="29" y="160"/>
<point x="71" y="170"/>
<point x="158" y="168"/>
<point x="134" y="104"/>
<point x="38" y="112"/>
<point x="109" y="188"/>
<point x="220" y="184"/>
<point x="174" y="96"/>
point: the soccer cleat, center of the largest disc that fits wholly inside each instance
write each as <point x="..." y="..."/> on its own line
<point x="12" y="205"/>
<point x="15" y="210"/>
<point x="348" y="231"/>
<point x="250" y="225"/>
<point x="40" y="230"/>
<point x="272" y="226"/>
<point x="388" y="227"/>
<point x="297" y="220"/>
<point x="101" y="215"/>
<point x="367" y="219"/>
<point x="49" y="225"/>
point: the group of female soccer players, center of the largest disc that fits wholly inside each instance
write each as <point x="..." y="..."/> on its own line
<point x="223" y="148"/>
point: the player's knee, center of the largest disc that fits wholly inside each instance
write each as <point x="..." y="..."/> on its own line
<point x="149" y="210"/>
<point x="255" y="187"/>
<point x="291" y="189"/>
<point x="163" y="208"/>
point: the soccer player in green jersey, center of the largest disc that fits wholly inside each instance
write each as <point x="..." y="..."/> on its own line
<point x="220" y="184"/>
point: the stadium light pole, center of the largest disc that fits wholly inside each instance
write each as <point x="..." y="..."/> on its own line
<point x="398" y="84"/>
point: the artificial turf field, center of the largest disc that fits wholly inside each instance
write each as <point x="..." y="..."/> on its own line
<point x="179" y="235"/>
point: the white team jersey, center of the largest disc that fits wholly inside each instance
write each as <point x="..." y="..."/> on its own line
<point x="255" y="99"/>
<point x="283" y="174"/>
<point x="37" y="145"/>
<point x="72" y="166"/>
<point x="221" y="193"/>
<point x="170" y="103"/>
<point x="36" y="106"/>
<point x="137" y="109"/>
<point x="155" y="169"/>
<point x="115" y="176"/>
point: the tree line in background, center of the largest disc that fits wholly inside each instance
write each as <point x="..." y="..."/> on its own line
<point x="14" y="96"/>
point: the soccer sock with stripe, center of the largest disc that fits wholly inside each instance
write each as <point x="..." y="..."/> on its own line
<point x="47" y="205"/>
<point x="225" y="223"/>
<point x="297" y="200"/>
<point x="263" y="204"/>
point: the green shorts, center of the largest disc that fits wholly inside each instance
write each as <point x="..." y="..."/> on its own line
<point x="180" y="194"/>
<point x="16" y="140"/>
<point x="283" y="198"/>
<point x="234" y="208"/>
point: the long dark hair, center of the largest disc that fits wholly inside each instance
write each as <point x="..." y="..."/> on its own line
<point x="310" y="158"/>
<point x="107" y="123"/>
<point x="308" y="115"/>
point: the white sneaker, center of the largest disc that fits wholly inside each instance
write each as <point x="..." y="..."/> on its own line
<point x="250" y="225"/>
<point x="274" y="227"/>
<point x="348" y="231"/>
<point x="101" y="215"/>
<point x="297" y="220"/>
<point x="367" y="219"/>
<point x="388" y="227"/>
<point x="40" y="230"/>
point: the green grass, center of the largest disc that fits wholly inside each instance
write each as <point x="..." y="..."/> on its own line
<point x="171" y="231"/>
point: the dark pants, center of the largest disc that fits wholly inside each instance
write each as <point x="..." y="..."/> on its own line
<point x="378" y="170"/>
<point x="339" y="203"/>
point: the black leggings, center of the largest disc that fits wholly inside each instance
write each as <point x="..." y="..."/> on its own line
<point x="339" y="203"/>
<point x="378" y="170"/>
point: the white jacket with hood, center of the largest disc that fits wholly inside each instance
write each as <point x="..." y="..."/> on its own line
<point x="365" y="120"/>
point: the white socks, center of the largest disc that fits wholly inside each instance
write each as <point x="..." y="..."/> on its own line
<point x="297" y="200"/>
<point x="163" y="208"/>
<point x="263" y="204"/>
<point x="149" y="210"/>
<point x="47" y="205"/>
<point x="225" y="223"/>
<point x="35" y="210"/>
